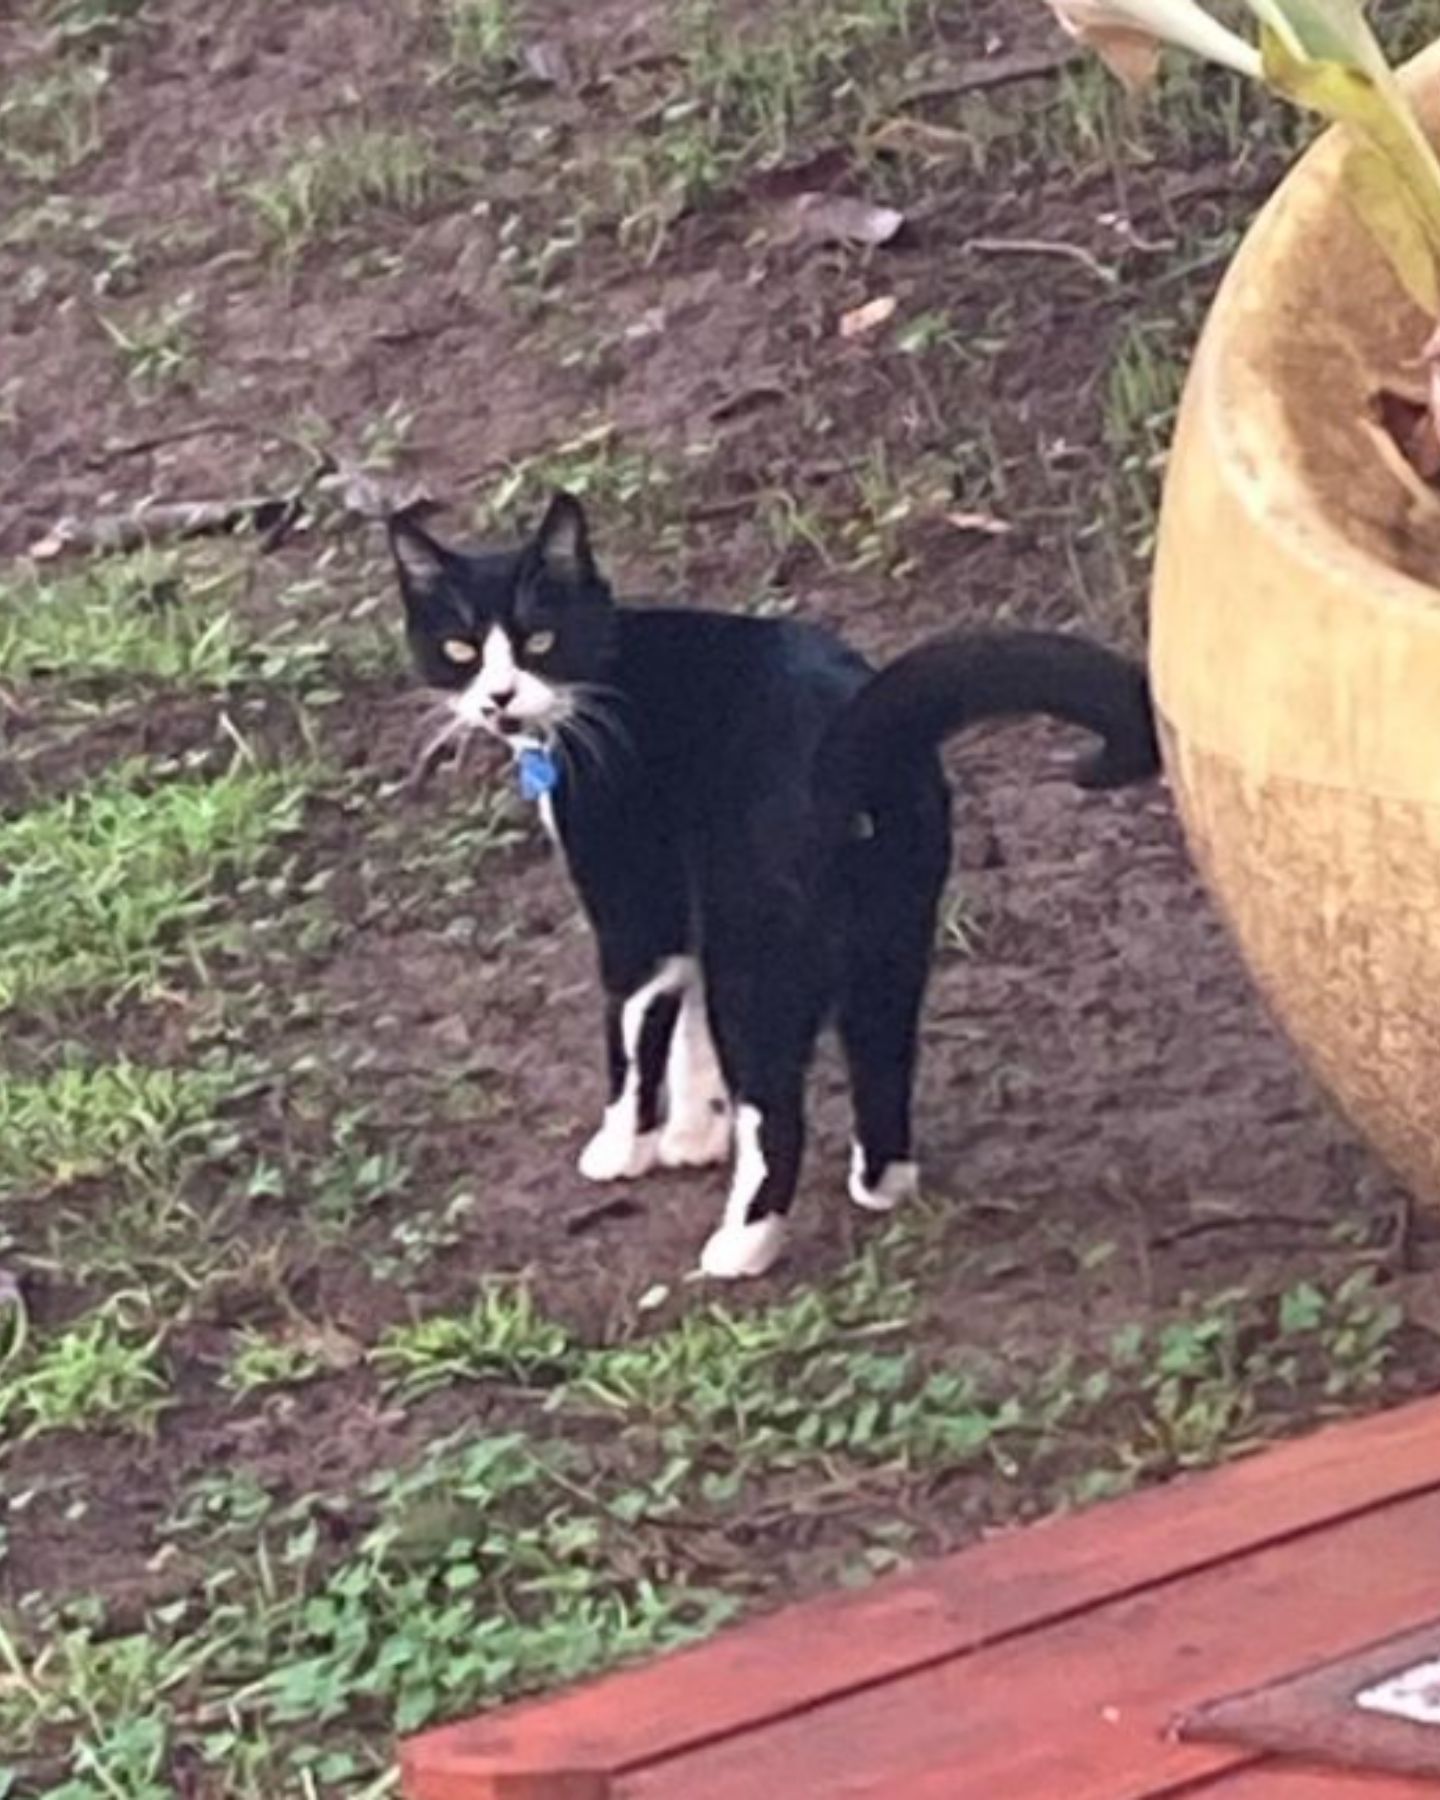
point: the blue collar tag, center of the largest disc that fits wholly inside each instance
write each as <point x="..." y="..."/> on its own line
<point x="538" y="772"/>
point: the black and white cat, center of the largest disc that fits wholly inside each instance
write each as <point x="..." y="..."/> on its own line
<point x="758" y="828"/>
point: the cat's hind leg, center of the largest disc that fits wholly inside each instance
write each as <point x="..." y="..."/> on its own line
<point x="765" y="1001"/>
<point x="699" y="1117"/>
<point x="894" y="882"/>
<point x="879" y="1027"/>
<point x="640" y="1021"/>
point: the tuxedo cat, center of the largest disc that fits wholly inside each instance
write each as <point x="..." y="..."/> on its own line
<point x="758" y="828"/>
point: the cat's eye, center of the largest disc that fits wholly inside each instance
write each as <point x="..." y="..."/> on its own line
<point x="460" y="650"/>
<point x="539" y="643"/>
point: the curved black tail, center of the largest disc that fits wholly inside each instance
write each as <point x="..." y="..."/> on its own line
<point x="910" y="707"/>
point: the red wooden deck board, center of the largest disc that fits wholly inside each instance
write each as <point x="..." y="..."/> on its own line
<point x="1081" y="1710"/>
<point x="923" y="1648"/>
<point x="1272" y="1781"/>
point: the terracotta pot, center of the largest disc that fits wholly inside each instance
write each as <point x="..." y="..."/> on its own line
<point x="1296" y="653"/>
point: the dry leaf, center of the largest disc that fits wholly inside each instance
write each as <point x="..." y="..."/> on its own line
<point x="983" y="522"/>
<point x="841" y="219"/>
<point x="331" y="1347"/>
<point x="1131" y="54"/>
<point x="548" y="63"/>
<point x="861" y="319"/>
<point x="921" y="138"/>
<point x="370" y="496"/>
<point x="1128" y="34"/>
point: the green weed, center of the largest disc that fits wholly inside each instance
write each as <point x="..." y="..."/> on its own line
<point x="504" y="1336"/>
<point x="480" y="35"/>
<point x="101" y="1373"/>
<point x="50" y="123"/>
<point x="490" y="1569"/>
<point x="1142" y="395"/>
<point x="330" y="182"/>
<point x="87" y="21"/>
<point x="298" y="1354"/>
<point x="157" y="349"/>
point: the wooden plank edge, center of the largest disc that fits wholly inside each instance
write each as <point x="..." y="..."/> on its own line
<point x="1002" y="1587"/>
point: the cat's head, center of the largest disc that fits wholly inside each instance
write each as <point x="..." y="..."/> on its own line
<point x="512" y="635"/>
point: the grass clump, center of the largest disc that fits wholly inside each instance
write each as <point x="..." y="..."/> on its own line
<point x="331" y="181"/>
<point x="102" y="890"/>
<point x="480" y="36"/>
<point x="504" y="1335"/>
<point x="50" y="122"/>
<point x="101" y="1373"/>
<point x="120" y="616"/>
<point x="121" y="1118"/>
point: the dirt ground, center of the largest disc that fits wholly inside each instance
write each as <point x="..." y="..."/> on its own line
<point x="1114" y="1136"/>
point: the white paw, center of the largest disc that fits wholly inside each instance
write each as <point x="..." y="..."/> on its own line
<point x="899" y="1181"/>
<point x="735" y="1251"/>
<point x="696" y="1138"/>
<point x="617" y="1152"/>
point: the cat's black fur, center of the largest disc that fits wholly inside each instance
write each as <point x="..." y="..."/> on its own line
<point x="748" y="794"/>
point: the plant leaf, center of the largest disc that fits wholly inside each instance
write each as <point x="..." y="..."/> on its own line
<point x="1399" y="202"/>
<point x="1386" y="209"/>
<point x="1323" y="31"/>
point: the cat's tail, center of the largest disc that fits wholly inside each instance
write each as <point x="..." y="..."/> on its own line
<point x="880" y="741"/>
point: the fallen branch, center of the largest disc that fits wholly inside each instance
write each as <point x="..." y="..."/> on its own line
<point x="986" y="72"/>
<point x="141" y="446"/>
<point x="271" y="516"/>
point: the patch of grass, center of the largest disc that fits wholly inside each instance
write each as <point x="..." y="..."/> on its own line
<point x="362" y="1168"/>
<point x="492" y="1566"/>
<point x="120" y="1119"/>
<point x="480" y="35"/>
<point x="88" y="21"/>
<point x="615" y="478"/>
<point x="157" y="349"/>
<point x="102" y="891"/>
<point x="134" y="615"/>
<point x="332" y="181"/>
<point x="749" y="95"/>
<point x="491" y="1570"/>
<point x="1141" y="397"/>
<point x="504" y="1336"/>
<point x="50" y="122"/>
<point x="831" y="1378"/>
<point x="299" y="1353"/>
<point x="102" y="1373"/>
<point x="488" y="1569"/>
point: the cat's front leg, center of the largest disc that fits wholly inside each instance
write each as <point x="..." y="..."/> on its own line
<point x="640" y="1020"/>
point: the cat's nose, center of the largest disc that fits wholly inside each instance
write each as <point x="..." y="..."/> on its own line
<point x="499" y="702"/>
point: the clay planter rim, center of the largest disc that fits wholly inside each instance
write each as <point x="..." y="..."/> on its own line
<point x="1248" y="427"/>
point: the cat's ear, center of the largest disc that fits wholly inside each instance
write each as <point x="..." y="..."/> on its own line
<point x="418" y="558"/>
<point x="562" y="543"/>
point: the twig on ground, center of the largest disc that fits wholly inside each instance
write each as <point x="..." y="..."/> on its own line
<point x="984" y="72"/>
<point x="995" y="246"/>
<point x="140" y="446"/>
